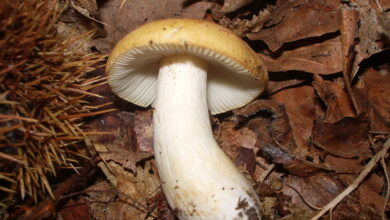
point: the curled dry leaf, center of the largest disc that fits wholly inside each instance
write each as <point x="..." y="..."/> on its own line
<point x="369" y="34"/>
<point x="321" y="58"/>
<point x="124" y="16"/>
<point x="275" y="136"/>
<point x="197" y="10"/>
<point x="143" y="129"/>
<point x="374" y="98"/>
<point x="346" y="138"/>
<point x="300" y="116"/>
<point x="324" y="186"/>
<point x="243" y="26"/>
<point x="336" y="99"/>
<point x="76" y="210"/>
<point x="290" y="162"/>
<point x="321" y="188"/>
<point x="239" y="144"/>
<point x="87" y="6"/>
<point x="369" y="192"/>
<point x="316" y="18"/>
<point x="269" y="120"/>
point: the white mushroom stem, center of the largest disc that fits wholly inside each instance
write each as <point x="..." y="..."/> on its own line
<point x="198" y="179"/>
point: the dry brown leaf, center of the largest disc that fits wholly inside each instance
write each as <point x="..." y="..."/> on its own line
<point x="276" y="86"/>
<point x="238" y="143"/>
<point x="336" y="99"/>
<point x="89" y="5"/>
<point x="269" y="120"/>
<point x="293" y="164"/>
<point x="143" y="129"/>
<point x="197" y="10"/>
<point x="346" y="138"/>
<point x="320" y="189"/>
<point x="275" y="136"/>
<point x="300" y="107"/>
<point x="369" y="191"/>
<point x="76" y="210"/>
<point x="242" y="26"/>
<point x="353" y="165"/>
<point x="295" y="20"/>
<point x="369" y="34"/>
<point x="124" y="16"/>
<point x="324" y="186"/>
<point x="374" y="98"/>
<point x="320" y="58"/>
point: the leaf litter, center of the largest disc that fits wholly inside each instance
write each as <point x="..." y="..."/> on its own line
<point x="311" y="145"/>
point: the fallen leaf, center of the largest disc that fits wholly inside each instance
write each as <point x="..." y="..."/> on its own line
<point x="238" y="143"/>
<point x="276" y="86"/>
<point x="374" y="98"/>
<point x="76" y="210"/>
<point x="324" y="186"/>
<point x="246" y="158"/>
<point x="89" y="5"/>
<point x="300" y="116"/>
<point x="343" y="165"/>
<point x="293" y="164"/>
<point x="320" y="189"/>
<point x="369" y="34"/>
<point x="316" y="18"/>
<point x="242" y="26"/>
<point x="269" y="120"/>
<point x="369" y="191"/>
<point x="143" y="129"/>
<point x="321" y="58"/>
<point x="124" y="16"/>
<point x="197" y="10"/>
<point x="346" y="138"/>
<point x="336" y="99"/>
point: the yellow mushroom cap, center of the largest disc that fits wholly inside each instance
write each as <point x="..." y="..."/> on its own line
<point x="236" y="74"/>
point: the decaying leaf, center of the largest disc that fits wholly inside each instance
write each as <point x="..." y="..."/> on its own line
<point x="316" y="18"/>
<point x="374" y="98"/>
<point x="243" y="26"/>
<point x="345" y="138"/>
<point x="76" y="210"/>
<point x="293" y="164"/>
<point x="300" y="116"/>
<point x="269" y="120"/>
<point x="335" y="97"/>
<point x="239" y="144"/>
<point x="124" y="16"/>
<point x="318" y="190"/>
<point x="320" y="58"/>
<point x="143" y="129"/>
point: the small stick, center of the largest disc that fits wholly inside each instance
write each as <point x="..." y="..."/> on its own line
<point x="388" y="187"/>
<point x="370" y="165"/>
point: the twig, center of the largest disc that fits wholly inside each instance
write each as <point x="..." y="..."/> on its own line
<point x="369" y="166"/>
<point x="266" y="172"/>
<point x="379" y="6"/>
<point x="388" y="187"/>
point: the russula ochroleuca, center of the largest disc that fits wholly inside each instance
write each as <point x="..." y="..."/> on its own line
<point x="183" y="68"/>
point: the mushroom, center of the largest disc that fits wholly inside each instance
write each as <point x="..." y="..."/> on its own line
<point x="183" y="68"/>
